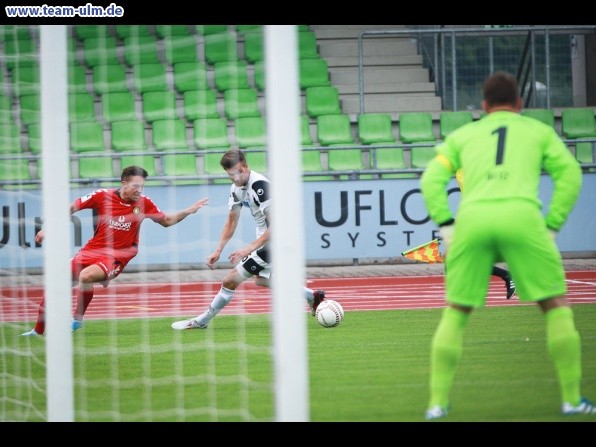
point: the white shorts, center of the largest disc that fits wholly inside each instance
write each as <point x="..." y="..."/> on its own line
<point x="255" y="264"/>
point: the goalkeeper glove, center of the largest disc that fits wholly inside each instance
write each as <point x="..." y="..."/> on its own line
<point x="446" y="234"/>
<point x="553" y="233"/>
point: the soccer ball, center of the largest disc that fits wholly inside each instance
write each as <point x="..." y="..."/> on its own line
<point x="329" y="313"/>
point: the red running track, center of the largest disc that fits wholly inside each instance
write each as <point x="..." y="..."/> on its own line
<point x="189" y="299"/>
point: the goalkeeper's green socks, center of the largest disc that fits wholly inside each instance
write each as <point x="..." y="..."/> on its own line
<point x="446" y="350"/>
<point x="564" y="346"/>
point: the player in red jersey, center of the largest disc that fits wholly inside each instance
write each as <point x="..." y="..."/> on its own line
<point x="116" y="238"/>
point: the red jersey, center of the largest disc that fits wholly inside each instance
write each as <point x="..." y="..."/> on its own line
<point x="119" y="221"/>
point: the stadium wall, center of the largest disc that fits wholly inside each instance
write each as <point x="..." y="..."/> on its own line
<point x="347" y="222"/>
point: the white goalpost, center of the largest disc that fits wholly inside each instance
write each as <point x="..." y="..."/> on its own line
<point x="289" y="329"/>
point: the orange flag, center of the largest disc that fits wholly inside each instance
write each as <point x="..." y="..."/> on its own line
<point x="428" y="252"/>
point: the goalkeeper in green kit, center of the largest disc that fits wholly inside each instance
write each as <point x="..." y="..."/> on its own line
<point x="499" y="219"/>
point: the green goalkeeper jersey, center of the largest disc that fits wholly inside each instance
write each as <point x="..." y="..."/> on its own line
<point x="502" y="157"/>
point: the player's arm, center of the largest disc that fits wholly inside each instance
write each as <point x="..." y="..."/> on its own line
<point x="227" y="232"/>
<point x="566" y="174"/>
<point x="433" y="185"/>
<point x="237" y="255"/>
<point x="40" y="236"/>
<point x="173" y="218"/>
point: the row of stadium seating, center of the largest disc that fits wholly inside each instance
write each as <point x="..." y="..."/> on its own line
<point x="23" y="78"/>
<point x="123" y="105"/>
<point x="104" y="48"/>
<point x="377" y="155"/>
<point x="162" y="129"/>
<point x="192" y="167"/>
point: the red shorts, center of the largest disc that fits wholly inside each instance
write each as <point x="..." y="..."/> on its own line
<point x="111" y="263"/>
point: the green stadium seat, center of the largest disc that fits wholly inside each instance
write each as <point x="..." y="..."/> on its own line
<point x="77" y="78"/>
<point x="124" y="31"/>
<point x="149" y="78"/>
<point x="221" y="47"/>
<point x="578" y="123"/>
<point x="25" y="79"/>
<point x="16" y="170"/>
<point x="584" y="152"/>
<point x="451" y="120"/>
<point x="145" y="161"/>
<point x="311" y="162"/>
<point x="100" y="51"/>
<point x="128" y="136"/>
<point x="390" y="158"/>
<point x="313" y="73"/>
<point x="345" y="160"/>
<point x="180" y="165"/>
<point x="165" y="31"/>
<point x="169" y="134"/>
<point x="254" y="46"/>
<point x="240" y="103"/>
<point x="307" y="45"/>
<point x="159" y="105"/>
<point x="140" y="50"/>
<point x="97" y="169"/>
<point x="375" y="128"/>
<point x="211" y="165"/>
<point x="30" y="109"/>
<point x="12" y="32"/>
<point x="118" y="106"/>
<point x="72" y="48"/>
<point x="244" y="29"/>
<point x="257" y="161"/>
<point x="416" y="127"/>
<point x="34" y="137"/>
<point x="421" y="155"/>
<point x="83" y="32"/>
<point x="205" y="30"/>
<point x="259" y="75"/>
<point x="190" y="76"/>
<point x="322" y="101"/>
<point x="6" y="110"/>
<point x="86" y="136"/>
<point x="230" y="75"/>
<point x="179" y="48"/>
<point x="305" y="135"/>
<point x="334" y="129"/>
<point x="81" y="107"/>
<point x="10" y="139"/>
<point x="547" y="116"/>
<point x="211" y="133"/>
<point x="109" y="78"/>
<point x="200" y="104"/>
<point x="20" y="51"/>
<point x="251" y="132"/>
<point x="4" y="85"/>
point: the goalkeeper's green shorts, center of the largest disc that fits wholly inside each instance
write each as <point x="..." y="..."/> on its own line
<point x="513" y="231"/>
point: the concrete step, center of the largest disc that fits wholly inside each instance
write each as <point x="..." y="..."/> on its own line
<point x="396" y="87"/>
<point x="391" y="103"/>
<point x="370" y="61"/>
<point x="348" y="31"/>
<point x="376" y="75"/>
<point x="371" y="47"/>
